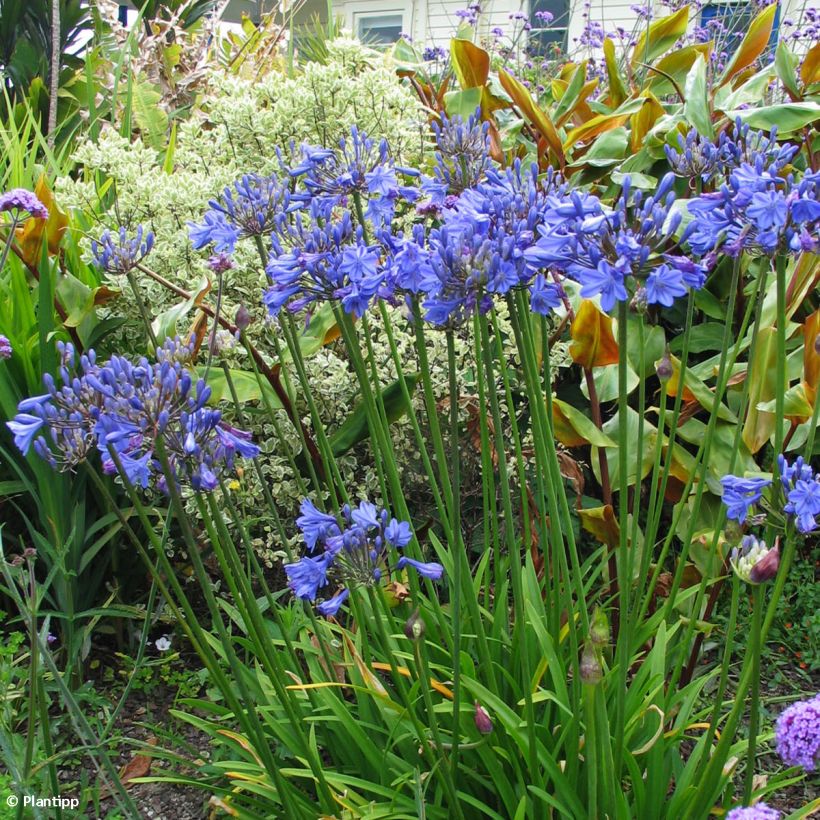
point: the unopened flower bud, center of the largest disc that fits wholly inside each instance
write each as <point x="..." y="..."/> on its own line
<point x="664" y="368"/>
<point x="599" y="628"/>
<point x="482" y="719"/>
<point x="414" y="628"/>
<point x="754" y="562"/>
<point x="638" y="302"/>
<point x="29" y="552"/>
<point x="591" y="669"/>
<point x="242" y="318"/>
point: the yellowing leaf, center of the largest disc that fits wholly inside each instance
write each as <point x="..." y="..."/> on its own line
<point x="650" y="112"/>
<point x="660" y="36"/>
<point x="601" y="523"/>
<point x="573" y="429"/>
<point x="592" y="128"/>
<point x="811" y="356"/>
<point x="760" y="424"/>
<point x="471" y="64"/>
<point x="593" y="344"/>
<point x="617" y="89"/>
<point x="810" y="70"/>
<point x="753" y="45"/>
<point x="31" y="234"/>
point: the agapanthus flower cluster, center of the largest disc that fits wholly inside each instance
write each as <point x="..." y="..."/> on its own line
<point x="134" y="414"/>
<point x="20" y="201"/>
<point x="479" y="250"/>
<point x="319" y="257"/>
<point x="760" y="811"/>
<point x="802" y="488"/>
<point x="758" y="210"/>
<point x="741" y="494"/>
<point x="247" y="209"/>
<point x="360" y="168"/>
<point x="462" y="159"/>
<point x="117" y="254"/>
<point x="754" y="562"/>
<point x="797" y="734"/>
<point x="608" y="250"/>
<point x="349" y="551"/>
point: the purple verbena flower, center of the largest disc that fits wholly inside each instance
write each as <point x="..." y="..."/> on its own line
<point x="21" y="201"/>
<point x="797" y="734"/>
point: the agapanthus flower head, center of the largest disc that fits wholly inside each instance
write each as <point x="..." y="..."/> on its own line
<point x="21" y="201"/>
<point x="132" y="413"/>
<point x="741" y="494"/>
<point x="696" y="157"/>
<point x="797" y="734"/>
<point x="319" y="257"/>
<point x="248" y="208"/>
<point x="348" y="550"/>
<point x="760" y="811"/>
<point x="754" y="562"/>
<point x="614" y="250"/>
<point x="5" y="348"/>
<point x="118" y="253"/>
<point x="462" y="156"/>
<point x="802" y="487"/>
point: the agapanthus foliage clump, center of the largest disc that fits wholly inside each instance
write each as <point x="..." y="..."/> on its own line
<point x="797" y="734"/>
<point x="349" y="550"/>
<point x="137" y="415"/>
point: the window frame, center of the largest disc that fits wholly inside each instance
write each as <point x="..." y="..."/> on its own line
<point x="356" y="11"/>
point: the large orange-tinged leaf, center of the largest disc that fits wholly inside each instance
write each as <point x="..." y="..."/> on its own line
<point x="804" y="280"/>
<point x="810" y="70"/>
<point x="31" y="234"/>
<point x="592" y="128"/>
<point x="660" y="36"/>
<point x="762" y="384"/>
<point x="642" y="121"/>
<point x="811" y="354"/>
<point x="753" y="44"/>
<point x="536" y="116"/>
<point x="471" y="64"/>
<point x="571" y="94"/>
<point x="617" y="88"/>
<point x="593" y="343"/>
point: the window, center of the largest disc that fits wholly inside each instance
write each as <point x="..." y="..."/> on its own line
<point x="381" y="28"/>
<point x="727" y="23"/>
<point x="550" y="21"/>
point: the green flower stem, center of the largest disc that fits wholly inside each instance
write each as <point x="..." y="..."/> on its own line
<point x="624" y="580"/>
<point x="519" y="648"/>
<point x="459" y="556"/>
<point x="146" y="319"/>
<point x="781" y="380"/>
<point x="754" y="706"/>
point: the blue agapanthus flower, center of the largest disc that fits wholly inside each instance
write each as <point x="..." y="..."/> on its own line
<point x="741" y="494"/>
<point x="802" y="487"/>
<point x="610" y="251"/>
<point x="349" y="551"/>
<point x="247" y="208"/>
<point x="129" y="412"/>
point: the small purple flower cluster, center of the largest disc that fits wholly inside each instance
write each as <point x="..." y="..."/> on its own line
<point x="802" y="487"/>
<point x="19" y="200"/>
<point x="131" y="413"/>
<point x="117" y="254"/>
<point x="760" y="811"/>
<point x="5" y="348"/>
<point x="797" y="734"/>
<point x="348" y="552"/>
